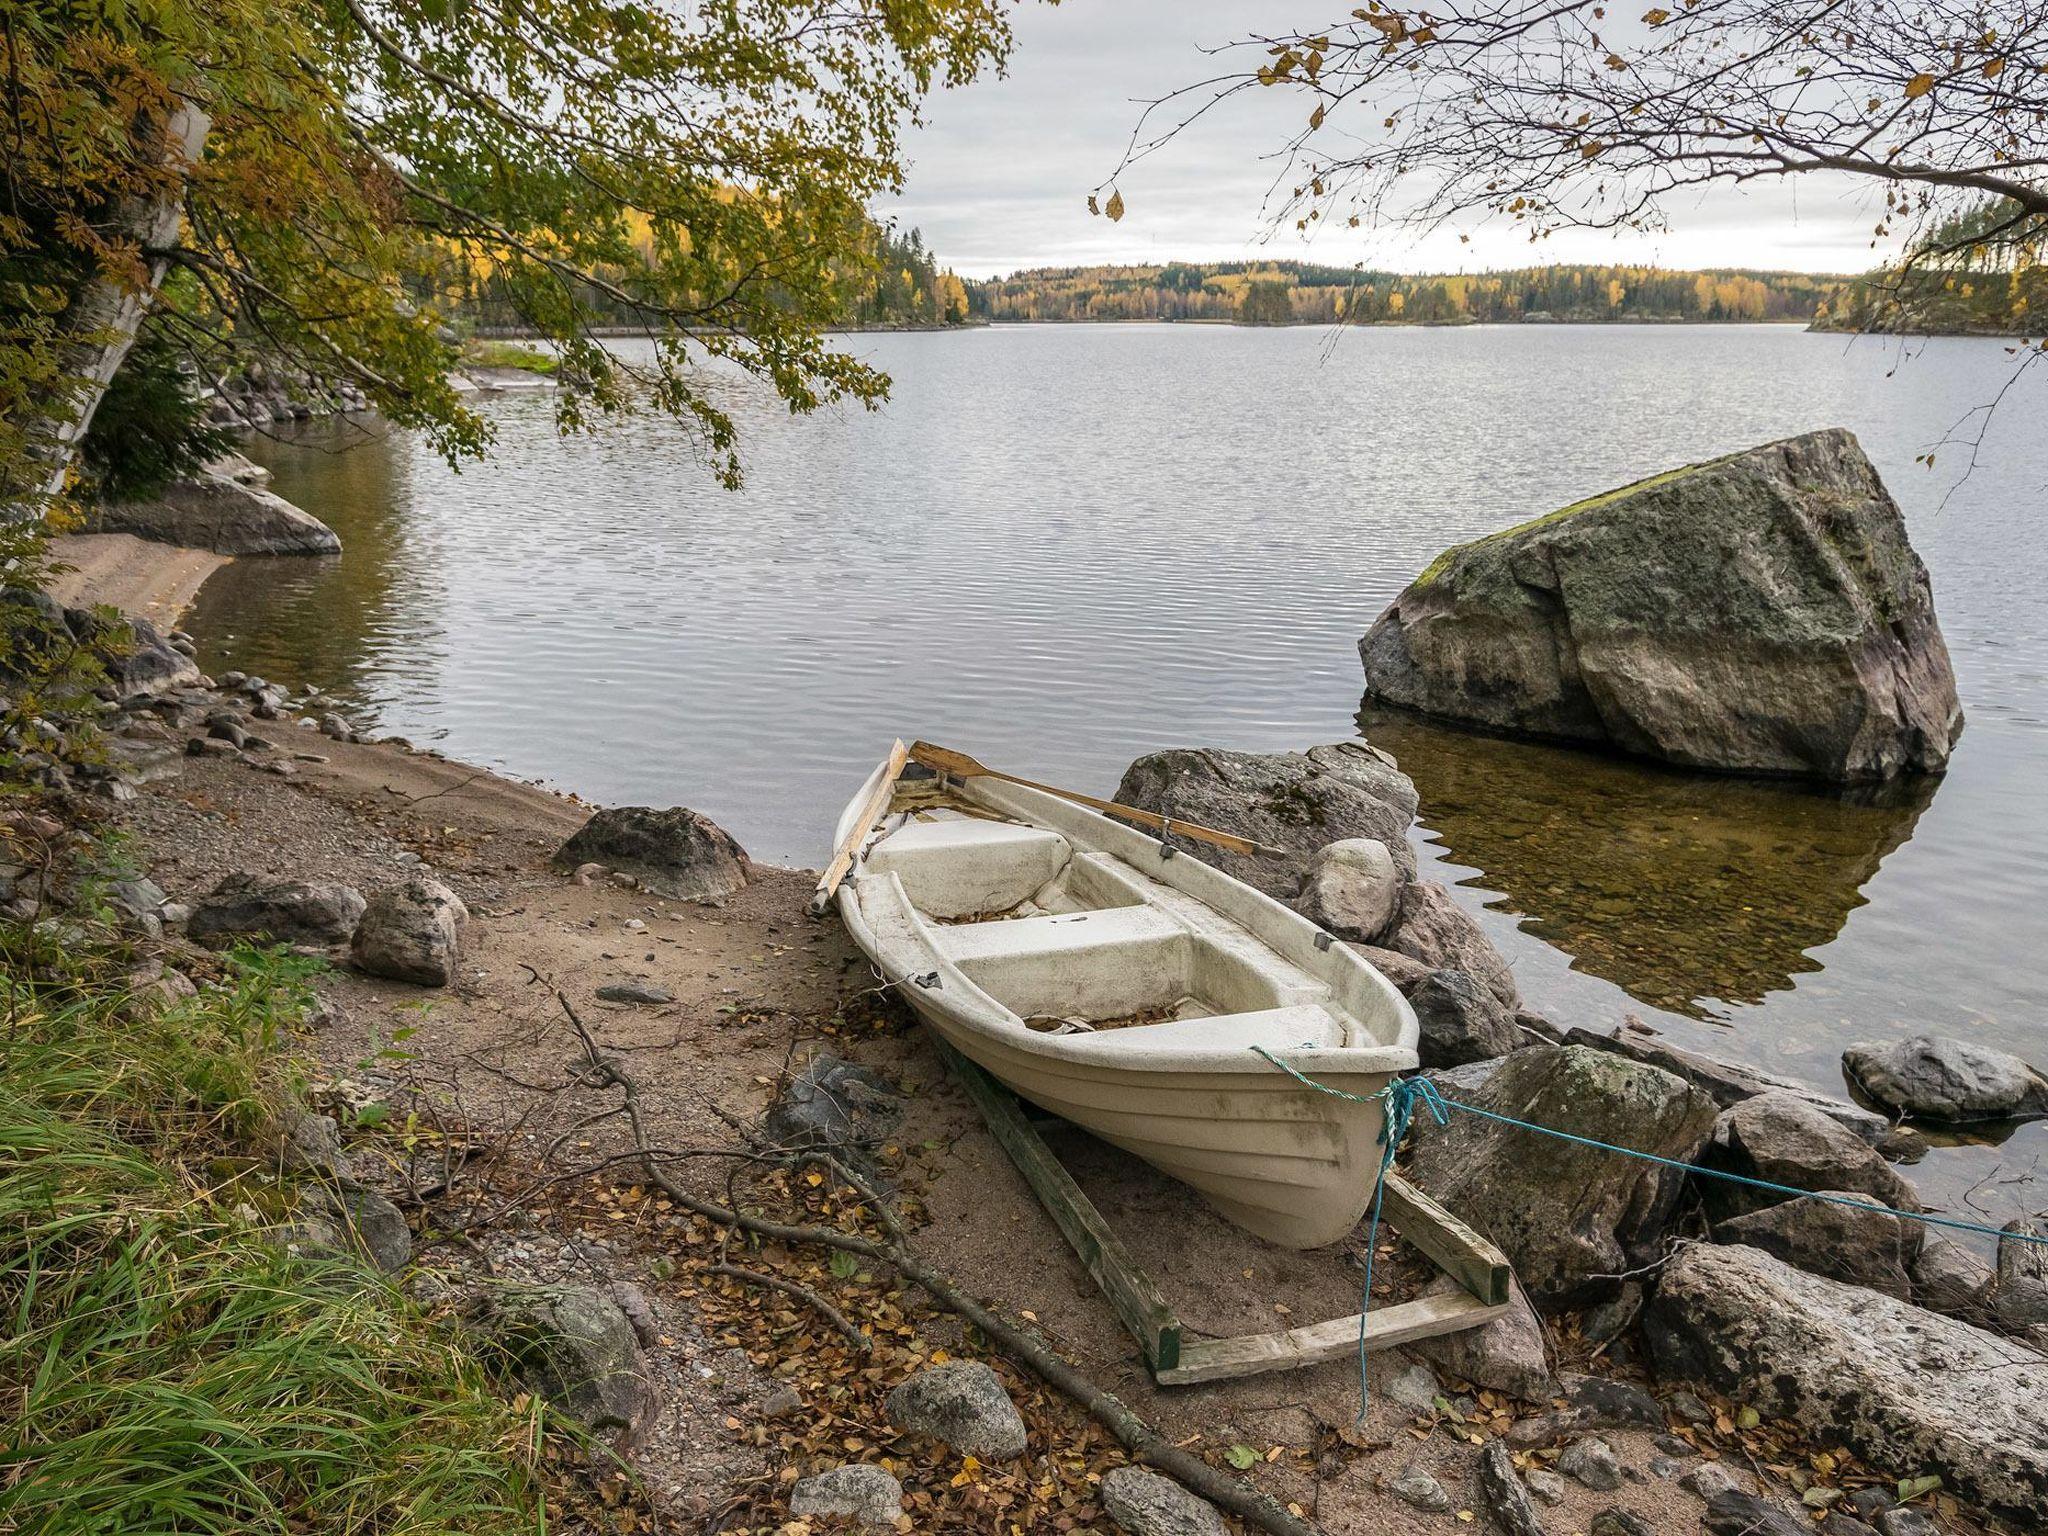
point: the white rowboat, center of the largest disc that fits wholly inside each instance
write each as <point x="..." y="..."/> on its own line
<point x="1123" y="986"/>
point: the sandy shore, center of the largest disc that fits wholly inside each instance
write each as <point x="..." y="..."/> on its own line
<point x="756" y="987"/>
<point x="152" y="581"/>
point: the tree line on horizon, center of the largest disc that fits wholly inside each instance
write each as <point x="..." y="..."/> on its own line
<point x="1292" y="292"/>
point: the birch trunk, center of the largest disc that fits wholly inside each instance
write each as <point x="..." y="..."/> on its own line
<point x="103" y="319"/>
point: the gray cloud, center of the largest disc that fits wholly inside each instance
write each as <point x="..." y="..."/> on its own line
<point x="1000" y="175"/>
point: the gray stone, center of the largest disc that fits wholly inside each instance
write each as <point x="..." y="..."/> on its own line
<point x="1567" y="1216"/>
<point x="1762" y="613"/>
<point x="1143" y="1503"/>
<point x="1730" y="1083"/>
<point x="674" y="853"/>
<point x="783" y="1402"/>
<point x="1835" y="1523"/>
<point x="1663" y="1467"/>
<point x="1786" y="1140"/>
<point x="1611" y="1319"/>
<point x="145" y="664"/>
<point x="1404" y="971"/>
<point x="1898" y="1385"/>
<point x="210" y="746"/>
<point x="1412" y="1386"/>
<point x="2019" y="1299"/>
<point x="411" y="932"/>
<point x="1869" y="1503"/>
<point x="1298" y="802"/>
<point x="1506" y="1499"/>
<point x="1732" y="1512"/>
<point x="1620" y="1522"/>
<point x="310" y="1143"/>
<point x="156" y="987"/>
<point x="645" y="993"/>
<point x="1934" y="1077"/>
<point x="1439" y="933"/>
<point x="1416" y="1487"/>
<point x="869" y="1496"/>
<point x="1593" y="1462"/>
<point x="639" y="1311"/>
<point x="963" y="1403"/>
<point x="247" y="906"/>
<point x="1590" y="1403"/>
<point x="1546" y="1485"/>
<point x="1710" y="1480"/>
<point x="1689" y="1408"/>
<point x="1506" y="1355"/>
<point x="223" y="515"/>
<point x="335" y="728"/>
<point x="1461" y="1021"/>
<point x="373" y="1226"/>
<point x="833" y="1104"/>
<point x="1353" y="889"/>
<point x="1906" y="1522"/>
<point x="1864" y="1244"/>
<point x="575" y="1348"/>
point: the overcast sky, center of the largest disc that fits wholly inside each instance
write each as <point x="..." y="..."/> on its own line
<point x="1000" y="178"/>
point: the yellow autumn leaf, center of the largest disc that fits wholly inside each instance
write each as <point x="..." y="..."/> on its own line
<point x="1114" y="207"/>
<point x="1656" y="18"/>
<point x="1993" y="68"/>
<point x="1315" y="118"/>
<point x="1919" y="86"/>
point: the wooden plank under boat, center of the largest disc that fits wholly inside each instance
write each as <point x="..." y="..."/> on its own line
<point x="1122" y="986"/>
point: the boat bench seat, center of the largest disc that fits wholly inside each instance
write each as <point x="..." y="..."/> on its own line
<point x="1096" y="964"/>
<point x="1301" y="1027"/>
<point x="961" y="866"/>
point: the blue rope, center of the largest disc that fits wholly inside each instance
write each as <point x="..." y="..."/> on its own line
<point x="1402" y="1093"/>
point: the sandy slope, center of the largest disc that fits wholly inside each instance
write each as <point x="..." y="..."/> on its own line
<point x="153" y="581"/>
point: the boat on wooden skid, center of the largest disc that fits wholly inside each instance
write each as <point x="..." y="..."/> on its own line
<point x="1127" y="987"/>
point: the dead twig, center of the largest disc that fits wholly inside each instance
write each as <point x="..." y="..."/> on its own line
<point x="1138" y="1437"/>
<point x="802" y="1293"/>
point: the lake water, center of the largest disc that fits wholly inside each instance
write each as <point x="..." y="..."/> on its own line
<point x="1060" y="547"/>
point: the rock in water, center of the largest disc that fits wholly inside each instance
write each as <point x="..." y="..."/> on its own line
<point x="963" y="1403"/>
<point x="674" y="853"/>
<point x="1567" y="1215"/>
<point x="246" y="906"/>
<point x="223" y="515"/>
<point x="411" y="932"/>
<point x="1934" y="1077"/>
<point x="1145" y="1504"/>
<point x="1297" y="801"/>
<point x="1436" y="931"/>
<point x="1760" y="613"/>
<point x="576" y="1349"/>
<point x="1906" y="1389"/>
<point x="1353" y="889"/>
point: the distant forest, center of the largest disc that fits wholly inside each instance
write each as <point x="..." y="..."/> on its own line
<point x="1289" y="293"/>
<point x="1983" y="273"/>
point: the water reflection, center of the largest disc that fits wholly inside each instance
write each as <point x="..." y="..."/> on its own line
<point x="1686" y="891"/>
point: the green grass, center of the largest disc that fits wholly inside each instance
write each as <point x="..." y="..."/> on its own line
<point x="163" y="1366"/>
<point x="510" y="354"/>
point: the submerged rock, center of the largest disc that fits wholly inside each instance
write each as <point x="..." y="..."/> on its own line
<point x="673" y="852"/>
<point x="1934" y="1077"/>
<point x="1762" y="613"/>
<point x="1298" y="802"/>
<point x="1567" y="1215"/>
<point x="227" y="516"/>
<point x="1906" y="1389"/>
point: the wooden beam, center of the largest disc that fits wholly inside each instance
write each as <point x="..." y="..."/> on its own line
<point x="1479" y="1266"/>
<point x="1130" y="1290"/>
<point x="1319" y="1343"/>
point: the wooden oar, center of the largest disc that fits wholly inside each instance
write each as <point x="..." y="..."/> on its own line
<point x="870" y="812"/>
<point x="960" y="765"/>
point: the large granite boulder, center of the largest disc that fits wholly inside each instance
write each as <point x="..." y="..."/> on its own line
<point x="1731" y="1082"/>
<point x="1859" y="1244"/>
<point x="1935" y="1077"/>
<point x="1297" y="802"/>
<point x="411" y="931"/>
<point x="673" y="852"/>
<point x="1909" y="1391"/>
<point x="1435" y="931"/>
<point x="226" y="515"/>
<point x="1568" y="1216"/>
<point x="1460" y="1021"/>
<point x="576" y="1348"/>
<point x="245" y="906"/>
<point x="1760" y="613"/>
<point x="1353" y="889"/>
<point x="1783" y="1139"/>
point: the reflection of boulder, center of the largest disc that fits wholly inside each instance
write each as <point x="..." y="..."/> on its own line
<point x="1677" y="888"/>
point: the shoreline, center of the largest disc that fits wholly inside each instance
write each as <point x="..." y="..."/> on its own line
<point x="142" y="578"/>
